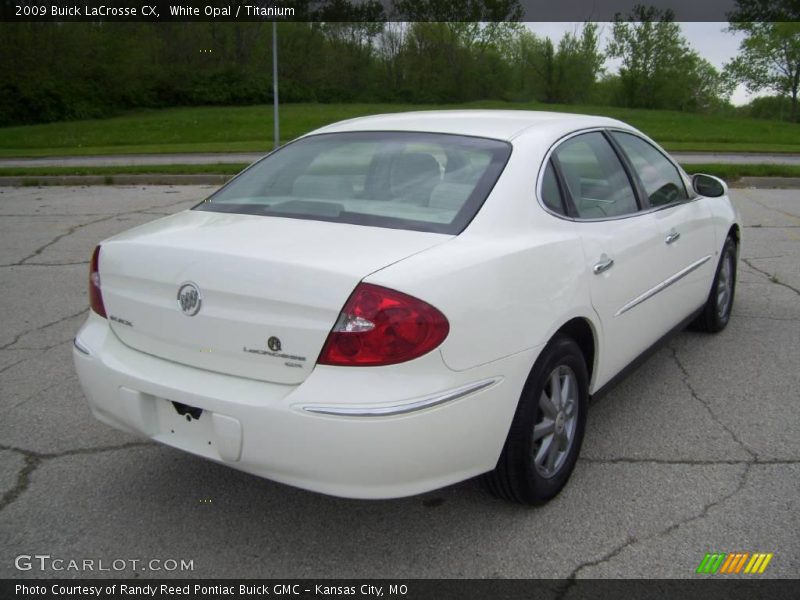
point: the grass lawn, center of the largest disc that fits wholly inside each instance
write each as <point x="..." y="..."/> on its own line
<point x="249" y="128"/>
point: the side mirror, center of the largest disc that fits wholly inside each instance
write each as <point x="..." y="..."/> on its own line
<point x="709" y="186"/>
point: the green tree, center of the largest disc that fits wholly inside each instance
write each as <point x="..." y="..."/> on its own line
<point x="659" y="68"/>
<point x="546" y="73"/>
<point x="769" y="54"/>
<point x="579" y="64"/>
<point x="708" y="89"/>
<point x="653" y="51"/>
<point x="525" y="54"/>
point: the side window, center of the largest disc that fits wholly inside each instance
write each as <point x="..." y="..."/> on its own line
<point x="551" y="193"/>
<point x="662" y="181"/>
<point x="596" y="179"/>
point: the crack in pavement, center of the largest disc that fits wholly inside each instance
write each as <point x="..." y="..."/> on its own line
<point x="14" y="364"/>
<point x="32" y="264"/>
<point x="630" y="540"/>
<point x="616" y="551"/>
<point x="40" y="351"/>
<point x="45" y="326"/>
<point x="58" y="238"/>
<point x="773" y="278"/>
<point x="765" y="257"/>
<point x="714" y="417"/>
<point x="34" y="459"/>
<point x="23" y="481"/>
<point x="75" y="228"/>
<point x="43" y="349"/>
<point x="704" y="512"/>
<point x="31" y="396"/>
<point x="572" y="577"/>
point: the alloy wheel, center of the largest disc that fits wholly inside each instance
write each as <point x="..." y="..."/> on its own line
<point x="725" y="286"/>
<point x="554" y="432"/>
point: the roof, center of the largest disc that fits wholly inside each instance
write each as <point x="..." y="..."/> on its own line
<point x="497" y="124"/>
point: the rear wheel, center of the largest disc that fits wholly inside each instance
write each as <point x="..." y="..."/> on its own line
<point x="717" y="310"/>
<point x="547" y="431"/>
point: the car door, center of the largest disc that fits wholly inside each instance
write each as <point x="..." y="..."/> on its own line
<point x="621" y="245"/>
<point x="686" y="264"/>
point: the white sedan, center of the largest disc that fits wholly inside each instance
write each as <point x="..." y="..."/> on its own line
<point x="395" y="303"/>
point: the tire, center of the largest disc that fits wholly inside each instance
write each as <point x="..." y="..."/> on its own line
<point x="525" y="472"/>
<point x="717" y="310"/>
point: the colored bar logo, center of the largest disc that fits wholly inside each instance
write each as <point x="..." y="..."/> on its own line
<point x="718" y="563"/>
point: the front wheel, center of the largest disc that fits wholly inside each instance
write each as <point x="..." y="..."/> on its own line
<point x="547" y="431"/>
<point x="717" y="310"/>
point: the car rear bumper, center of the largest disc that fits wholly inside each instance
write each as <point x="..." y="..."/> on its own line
<point x="354" y="432"/>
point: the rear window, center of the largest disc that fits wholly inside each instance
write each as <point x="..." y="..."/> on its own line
<point x="401" y="180"/>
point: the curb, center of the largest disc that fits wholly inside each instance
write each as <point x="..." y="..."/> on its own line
<point x="129" y="179"/>
<point x="767" y="182"/>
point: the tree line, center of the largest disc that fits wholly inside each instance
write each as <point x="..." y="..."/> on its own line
<point x="56" y="71"/>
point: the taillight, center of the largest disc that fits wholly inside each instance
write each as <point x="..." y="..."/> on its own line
<point x="379" y="326"/>
<point x="95" y="294"/>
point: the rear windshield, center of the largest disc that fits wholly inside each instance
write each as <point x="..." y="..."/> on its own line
<point x="401" y="180"/>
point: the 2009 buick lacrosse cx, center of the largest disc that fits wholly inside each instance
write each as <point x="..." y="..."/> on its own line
<point x="395" y="303"/>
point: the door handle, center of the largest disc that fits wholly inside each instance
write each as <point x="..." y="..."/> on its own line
<point x="603" y="266"/>
<point x="672" y="236"/>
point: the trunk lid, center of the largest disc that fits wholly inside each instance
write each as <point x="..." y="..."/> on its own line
<point x="270" y="289"/>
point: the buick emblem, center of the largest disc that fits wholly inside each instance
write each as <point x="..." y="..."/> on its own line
<point x="189" y="299"/>
<point x="274" y="344"/>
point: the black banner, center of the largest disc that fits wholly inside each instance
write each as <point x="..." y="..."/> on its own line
<point x="376" y="10"/>
<point x="708" y="588"/>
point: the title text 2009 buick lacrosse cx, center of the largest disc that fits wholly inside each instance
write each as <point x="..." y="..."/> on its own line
<point x="395" y="303"/>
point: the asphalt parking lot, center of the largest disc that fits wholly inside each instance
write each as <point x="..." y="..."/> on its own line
<point x="697" y="451"/>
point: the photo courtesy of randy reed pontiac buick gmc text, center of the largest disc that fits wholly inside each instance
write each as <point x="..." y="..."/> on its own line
<point x="202" y="590"/>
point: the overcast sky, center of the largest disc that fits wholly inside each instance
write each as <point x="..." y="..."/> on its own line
<point x="710" y="40"/>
